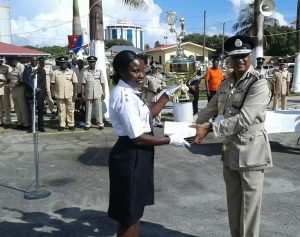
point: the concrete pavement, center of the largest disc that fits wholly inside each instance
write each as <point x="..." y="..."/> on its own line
<point x="189" y="188"/>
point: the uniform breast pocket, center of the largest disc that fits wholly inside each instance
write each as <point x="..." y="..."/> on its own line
<point x="69" y="77"/>
<point x="238" y="99"/>
<point x="89" y="78"/>
<point x="253" y="150"/>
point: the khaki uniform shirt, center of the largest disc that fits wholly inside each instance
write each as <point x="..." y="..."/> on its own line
<point x="48" y="71"/>
<point x="79" y="74"/>
<point x="3" y="77"/>
<point x="154" y="82"/>
<point x="246" y="145"/>
<point x="92" y="81"/>
<point x="15" y="76"/>
<point x="262" y="73"/>
<point x="280" y="79"/>
<point x="63" y="81"/>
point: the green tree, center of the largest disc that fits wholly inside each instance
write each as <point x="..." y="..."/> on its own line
<point x="110" y="43"/>
<point x="281" y="41"/>
<point x="157" y="44"/>
<point x="214" y="42"/>
<point x="245" y="22"/>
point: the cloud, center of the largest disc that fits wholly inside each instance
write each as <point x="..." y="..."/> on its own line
<point x="54" y="16"/>
<point x="239" y="4"/>
<point x="280" y="18"/>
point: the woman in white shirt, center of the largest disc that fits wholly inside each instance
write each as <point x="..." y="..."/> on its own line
<point x="132" y="157"/>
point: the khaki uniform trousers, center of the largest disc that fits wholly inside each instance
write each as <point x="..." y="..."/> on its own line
<point x="18" y="95"/>
<point x="88" y="114"/>
<point x="66" y="108"/>
<point x="276" y="101"/>
<point x="244" y="196"/>
<point x="6" y="105"/>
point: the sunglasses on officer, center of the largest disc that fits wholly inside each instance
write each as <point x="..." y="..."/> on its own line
<point x="240" y="56"/>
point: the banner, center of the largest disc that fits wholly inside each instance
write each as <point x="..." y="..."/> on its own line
<point x="75" y="43"/>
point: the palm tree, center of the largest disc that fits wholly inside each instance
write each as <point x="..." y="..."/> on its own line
<point x="245" y="22"/>
<point x="97" y="38"/>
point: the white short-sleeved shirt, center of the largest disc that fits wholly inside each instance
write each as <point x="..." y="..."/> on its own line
<point x="128" y="113"/>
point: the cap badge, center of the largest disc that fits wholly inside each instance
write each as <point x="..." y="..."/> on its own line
<point x="238" y="43"/>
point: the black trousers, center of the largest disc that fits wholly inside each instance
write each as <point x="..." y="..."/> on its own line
<point x="195" y="103"/>
<point x="40" y="106"/>
<point x="212" y="93"/>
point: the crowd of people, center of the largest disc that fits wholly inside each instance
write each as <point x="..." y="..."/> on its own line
<point x="74" y="89"/>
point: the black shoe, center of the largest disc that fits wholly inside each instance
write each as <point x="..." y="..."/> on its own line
<point x="26" y="128"/>
<point x="1" y="125"/>
<point x="6" y="126"/>
<point x="101" y="127"/>
<point x="72" y="128"/>
<point x="86" y="128"/>
<point x="160" y="126"/>
<point x="42" y="129"/>
<point x="60" y="129"/>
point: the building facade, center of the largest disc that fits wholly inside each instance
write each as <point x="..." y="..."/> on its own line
<point x="126" y="31"/>
<point x="164" y="53"/>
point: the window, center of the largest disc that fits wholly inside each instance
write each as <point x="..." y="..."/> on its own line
<point x="114" y="34"/>
<point x="129" y="36"/>
<point x="159" y="59"/>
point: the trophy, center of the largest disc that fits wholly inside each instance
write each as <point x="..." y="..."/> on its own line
<point x="181" y="69"/>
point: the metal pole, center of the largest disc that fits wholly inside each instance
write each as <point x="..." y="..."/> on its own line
<point x="37" y="193"/>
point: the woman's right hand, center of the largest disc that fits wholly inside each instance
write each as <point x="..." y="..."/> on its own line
<point x="178" y="141"/>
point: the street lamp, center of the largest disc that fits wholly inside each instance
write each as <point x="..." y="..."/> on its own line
<point x="166" y="38"/>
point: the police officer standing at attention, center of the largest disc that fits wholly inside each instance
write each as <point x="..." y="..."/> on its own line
<point x="48" y="71"/>
<point x="4" y="108"/>
<point x="15" y="77"/>
<point x="30" y="73"/>
<point x="259" y="67"/>
<point x="93" y="91"/>
<point x="242" y="99"/>
<point x="154" y="84"/>
<point x="63" y="89"/>
<point x="281" y="80"/>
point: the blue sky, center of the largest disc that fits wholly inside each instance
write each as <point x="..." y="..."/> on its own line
<point x="49" y="21"/>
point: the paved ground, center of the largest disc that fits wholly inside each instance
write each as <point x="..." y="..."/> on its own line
<point x="189" y="192"/>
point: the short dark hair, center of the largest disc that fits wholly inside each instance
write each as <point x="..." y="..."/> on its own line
<point x="121" y="63"/>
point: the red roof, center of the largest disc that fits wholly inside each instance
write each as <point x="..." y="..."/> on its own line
<point x="161" y="47"/>
<point x="9" y="49"/>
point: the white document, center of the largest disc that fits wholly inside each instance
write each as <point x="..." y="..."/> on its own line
<point x="181" y="128"/>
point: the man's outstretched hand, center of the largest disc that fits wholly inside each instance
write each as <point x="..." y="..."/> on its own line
<point x="201" y="131"/>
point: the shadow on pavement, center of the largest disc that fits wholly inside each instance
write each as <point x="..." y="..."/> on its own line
<point x="280" y="148"/>
<point x="208" y="149"/>
<point x="95" y="156"/>
<point x="73" y="222"/>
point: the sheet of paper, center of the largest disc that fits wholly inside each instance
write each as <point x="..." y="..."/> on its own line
<point x="179" y="128"/>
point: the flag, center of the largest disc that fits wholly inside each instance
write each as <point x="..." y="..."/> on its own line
<point x="75" y="42"/>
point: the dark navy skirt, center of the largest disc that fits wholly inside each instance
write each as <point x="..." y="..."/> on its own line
<point x="131" y="170"/>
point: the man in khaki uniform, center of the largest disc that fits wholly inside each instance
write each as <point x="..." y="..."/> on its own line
<point x="48" y="71"/>
<point x="63" y="89"/>
<point x="4" y="96"/>
<point x="154" y="84"/>
<point x="242" y="99"/>
<point x="281" y="80"/>
<point x="259" y="67"/>
<point x="15" y="76"/>
<point x="93" y="91"/>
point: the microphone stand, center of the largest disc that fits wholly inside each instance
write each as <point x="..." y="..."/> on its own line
<point x="37" y="193"/>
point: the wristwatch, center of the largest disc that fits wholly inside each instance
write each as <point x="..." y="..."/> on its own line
<point x="210" y="127"/>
